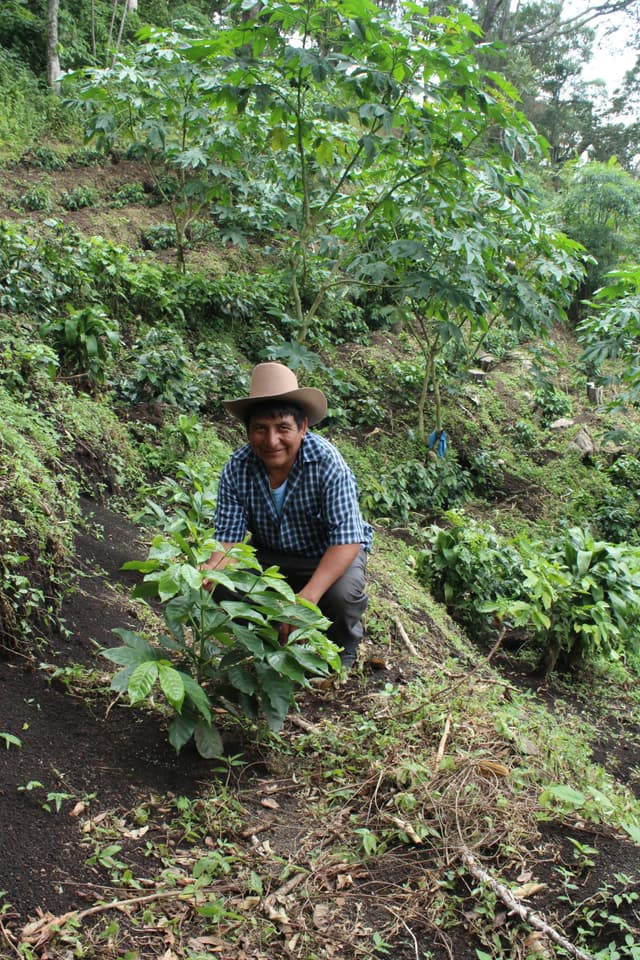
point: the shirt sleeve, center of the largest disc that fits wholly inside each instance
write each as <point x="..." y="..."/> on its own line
<point x="342" y="510"/>
<point x="231" y="515"/>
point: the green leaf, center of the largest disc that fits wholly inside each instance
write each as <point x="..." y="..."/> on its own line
<point x="172" y="685"/>
<point x="242" y="679"/>
<point x="324" y="152"/>
<point x="10" y="740"/>
<point x="120" y="680"/>
<point x="192" y="577"/>
<point x="284" y="663"/>
<point x="180" y="731"/>
<point x="564" y="795"/>
<point x="208" y="740"/>
<point x="130" y="656"/>
<point x="306" y="657"/>
<point x="274" y="688"/>
<point x="584" y="558"/>
<point x="169" y="583"/>
<point x="133" y="639"/>
<point x="633" y="830"/>
<point x="196" y="696"/>
<point x="142" y="680"/>
<point x="250" y="640"/>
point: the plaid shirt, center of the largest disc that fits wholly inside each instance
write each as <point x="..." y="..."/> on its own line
<point x="320" y="506"/>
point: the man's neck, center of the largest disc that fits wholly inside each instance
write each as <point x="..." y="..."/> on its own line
<point x="277" y="477"/>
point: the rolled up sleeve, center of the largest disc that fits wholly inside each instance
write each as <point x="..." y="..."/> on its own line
<point x="231" y="515"/>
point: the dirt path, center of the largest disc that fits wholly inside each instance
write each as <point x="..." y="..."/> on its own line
<point x="72" y="747"/>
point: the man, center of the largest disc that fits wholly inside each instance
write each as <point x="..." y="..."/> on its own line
<point x="292" y="491"/>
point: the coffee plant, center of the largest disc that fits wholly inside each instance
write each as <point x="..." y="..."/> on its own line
<point x="217" y="653"/>
<point x="576" y="598"/>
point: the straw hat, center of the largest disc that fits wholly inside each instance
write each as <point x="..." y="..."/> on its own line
<point x="274" y="381"/>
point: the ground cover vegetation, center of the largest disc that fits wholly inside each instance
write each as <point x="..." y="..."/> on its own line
<point x="362" y="196"/>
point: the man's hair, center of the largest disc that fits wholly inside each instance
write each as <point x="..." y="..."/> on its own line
<point x="275" y="408"/>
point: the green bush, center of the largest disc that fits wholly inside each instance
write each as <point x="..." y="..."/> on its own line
<point x="577" y="598"/>
<point x="36" y="198"/>
<point x="551" y="404"/>
<point x="161" y="370"/>
<point x="625" y="472"/>
<point x="43" y="158"/>
<point x="85" y="341"/>
<point x="616" y="516"/>
<point x="128" y="193"/>
<point x="524" y="434"/>
<point x="465" y="565"/>
<point x="412" y="488"/>
<point x="217" y="654"/>
<point x="80" y="197"/>
<point x="159" y="236"/>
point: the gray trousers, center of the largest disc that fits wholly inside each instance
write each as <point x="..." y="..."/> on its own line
<point x="344" y="603"/>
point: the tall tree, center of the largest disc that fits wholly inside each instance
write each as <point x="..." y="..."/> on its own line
<point x="380" y="155"/>
<point x="53" y="58"/>
<point x="546" y="51"/>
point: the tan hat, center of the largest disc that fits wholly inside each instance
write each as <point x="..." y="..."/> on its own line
<point x="274" y="381"/>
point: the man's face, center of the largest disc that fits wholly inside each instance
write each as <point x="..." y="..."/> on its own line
<point x="276" y="441"/>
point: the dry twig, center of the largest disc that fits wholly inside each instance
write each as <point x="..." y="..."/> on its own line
<point x="525" y="913"/>
<point x="443" y="740"/>
<point x="402" y="633"/>
<point x="478" y="666"/>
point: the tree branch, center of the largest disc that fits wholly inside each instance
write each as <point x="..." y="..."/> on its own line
<point x="525" y="913"/>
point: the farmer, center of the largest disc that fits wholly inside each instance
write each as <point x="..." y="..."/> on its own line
<point x="292" y="491"/>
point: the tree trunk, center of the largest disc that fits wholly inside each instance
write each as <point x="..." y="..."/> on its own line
<point x="53" y="60"/>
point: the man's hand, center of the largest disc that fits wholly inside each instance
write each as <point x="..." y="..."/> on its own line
<point x="334" y="562"/>
<point x="283" y="632"/>
<point x="217" y="561"/>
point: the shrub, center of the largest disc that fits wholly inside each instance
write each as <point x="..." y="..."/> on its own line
<point x="524" y="434"/>
<point x="36" y="198"/>
<point x="414" y="487"/>
<point x="625" y="472"/>
<point x="466" y="565"/>
<point x="85" y="341"/>
<point x="487" y="473"/>
<point x="577" y="598"/>
<point x="128" y="193"/>
<point x="161" y="370"/>
<point x="217" y="654"/>
<point x="159" y="236"/>
<point x="43" y="158"/>
<point x="80" y="197"/>
<point x="616" y="518"/>
<point x="551" y="404"/>
<point x="25" y="360"/>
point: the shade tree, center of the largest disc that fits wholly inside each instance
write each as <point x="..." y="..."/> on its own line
<point x="390" y="156"/>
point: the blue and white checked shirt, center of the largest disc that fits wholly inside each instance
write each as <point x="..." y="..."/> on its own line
<point x="320" y="507"/>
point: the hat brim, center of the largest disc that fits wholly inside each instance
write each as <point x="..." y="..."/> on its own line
<point x="313" y="402"/>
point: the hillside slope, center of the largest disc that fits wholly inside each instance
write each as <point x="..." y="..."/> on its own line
<point x="376" y="822"/>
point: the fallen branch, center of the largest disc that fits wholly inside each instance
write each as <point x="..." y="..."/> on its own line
<point x="40" y="931"/>
<point x="444" y="738"/>
<point x="303" y="724"/>
<point x="9" y="939"/>
<point x="517" y="906"/>
<point x="402" y="633"/>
